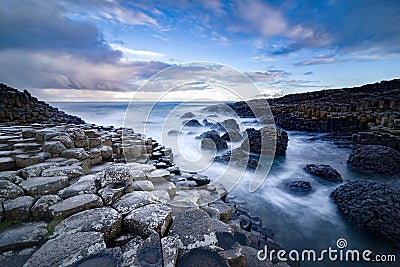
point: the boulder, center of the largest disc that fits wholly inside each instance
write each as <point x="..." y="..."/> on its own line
<point x="238" y="157"/>
<point x="324" y="171"/>
<point x="211" y="140"/>
<point x="188" y="115"/>
<point x="75" y="153"/>
<point x="54" y="147"/>
<point x="230" y="125"/>
<point x="8" y="190"/>
<point x="104" y="220"/>
<point x="268" y="140"/>
<point x="67" y="250"/>
<point x="40" y="209"/>
<point x="44" y="185"/>
<point x="232" y="136"/>
<point x="148" y="219"/>
<point x="18" y="208"/>
<point x="106" y="152"/>
<point x="65" y="140"/>
<point x="372" y="206"/>
<point x="22" y="235"/>
<point x="192" y="123"/>
<point x="378" y="159"/>
<point x="75" y="204"/>
<point x="116" y="173"/>
<point x="299" y="187"/>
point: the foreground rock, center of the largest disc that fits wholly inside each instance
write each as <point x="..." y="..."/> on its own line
<point x="324" y="171"/>
<point x="299" y="187"/>
<point x="67" y="250"/>
<point x="372" y="206"/>
<point x="75" y="204"/>
<point x="268" y="141"/>
<point x="22" y="235"/>
<point x="378" y="159"/>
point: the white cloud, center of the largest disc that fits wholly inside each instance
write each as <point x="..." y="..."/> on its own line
<point x="140" y="53"/>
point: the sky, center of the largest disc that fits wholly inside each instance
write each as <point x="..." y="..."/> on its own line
<point x="105" y="50"/>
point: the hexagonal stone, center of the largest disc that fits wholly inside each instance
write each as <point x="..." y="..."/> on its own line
<point x="7" y="163"/>
<point x="44" y="185"/>
<point x="82" y="186"/>
<point x="35" y="170"/>
<point x="54" y="147"/>
<point x="132" y="201"/>
<point x="142" y="185"/>
<point x="116" y="173"/>
<point x="105" y="220"/>
<point x="41" y="207"/>
<point x="25" y="160"/>
<point x="8" y="190"/>
<point x="165" y="185"/>
<point x="22" y="235"/>
<point x="169" y="245"/>
<point x="75" y="153"/>
<point x="69" y="171"/>
<point x="145" y="220"/>
<point x="75" y="204"/>
<point x="67" y="250"/>
<point x="18" y="208"/>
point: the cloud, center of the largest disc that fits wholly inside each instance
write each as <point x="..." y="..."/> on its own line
<point x="319" y="60"/>
<point x="140" y="53"/>
<point x="308" y="73"/>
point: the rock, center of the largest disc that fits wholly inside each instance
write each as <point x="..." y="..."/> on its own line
<point x="72" y="171"/>
<point x="132" y="201"/>
<point x="94" y="142"/>
<point x="378" y="159"/>
<point x="372" y="206"/>
<point x="234" y="256"/>
<point x="325" y="172"/>
<point x="149" y="252"/>
<point x="193" y="228"/>
<point x="159" y="196"/>
<point x="22" y="235"/>
<point x="75" y="204"/>
<point x="207" y="257"/>
<point x="230" y="125"/>
<point x="67" y="250"/>
<point x="222" y="210"/>
<point x="169" y="246"/>
<point x="143" y="186"/>
<point x="54" y="147"/>
<point x="7" y="163"/>
<point x="192" y="123"/>
<point x="116" y="173"/>
<point x="75" y="153"/>
<point x="173" y="132"/>
<point x="65" y="140"/>
<point x="149" y="218"/>
<point x="238" y="157"/>
<point x="44" y="185"/>
<point x="8" y="190"/>
<point x="232" y="136"/>
<point x="82" y="186"/>
<point x="299" y="187"/>
<point x="106" y="152"/>
<point x="40" y="209"/>
<point x="104" y="220"/>
<point x="188" y="115"/>
<point x="18" y="208"/>
<point x="268" y="140"/>
<point x="130" y="252"/>
<point x="166" y="186"/>
<point x="12" y="176"/>
<point x="25" y="160"/>
<point x="112" y="192"/>
<point x="159" y="175"/>
<point x="35" y="170"/>
<point x="211" y="140"/>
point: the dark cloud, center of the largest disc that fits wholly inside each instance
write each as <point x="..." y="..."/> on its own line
<point x="308" y="73"/>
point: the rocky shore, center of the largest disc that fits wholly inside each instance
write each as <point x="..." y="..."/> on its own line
<point x="77" y="194"/>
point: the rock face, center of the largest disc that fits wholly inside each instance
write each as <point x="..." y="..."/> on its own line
<point x="372" y="206"/>
<point x="324" y="171"/>
<point x="379" y="159"/>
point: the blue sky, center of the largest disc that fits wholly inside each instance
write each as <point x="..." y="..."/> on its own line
<point x="105" y="49"/>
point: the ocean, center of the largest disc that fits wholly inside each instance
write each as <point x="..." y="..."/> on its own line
<point x="299" y="222"/>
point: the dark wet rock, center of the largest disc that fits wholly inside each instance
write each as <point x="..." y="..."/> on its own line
<point x="204" y="257"/>
<point x="234" y="256"/>
<point x="232" y="136"/>
<point x="188" y="115"/>
<point x="104" y="220"/>
<point x="116" y="173"/>
<point x="238" y="157"/>
<point x="75" y="153"/>
<point x="193" y="228"/>
<point x="67" y="250"/>
<point x="299" y="187"/>
<point x="324" y="171"/>
<point x="222" y="210"/>
<point x="110" y="257"/>
<point x="149" y="252"/>
<point x="372" y="206"/>
<point x="173" y="132"/>
<point x="192" y="123"/>
<point x="169" y="246"/>
<point x="378" y="159"/>
<point x="268" y="140"/>
<point x="134" y="200"/>
<point x="18" y="208"/>
<point x="40" y="210"/>
<point x="130" y="252"/>
<point x="75" y="204"/>
<point x="44" y="185"/>
<point x="212" y="140"/>
<point x="22" y="235"/>
<point x="8" y="190"/>
<point x="7" y="163"/>
<point x="149" y="218"/>
<point x="206" y="123"/>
